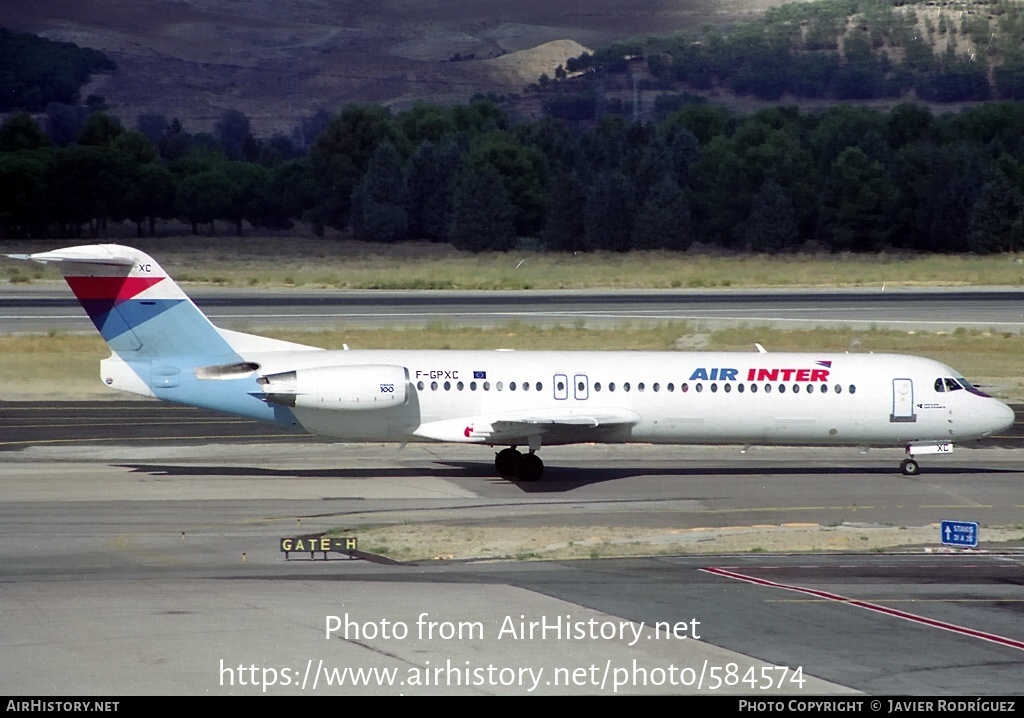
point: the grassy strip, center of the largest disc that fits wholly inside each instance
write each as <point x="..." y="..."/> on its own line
<point x="58" y="363"/>
<point x="267" y="262"/>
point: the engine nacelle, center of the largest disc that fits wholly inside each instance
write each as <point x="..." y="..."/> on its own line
<point x="338" y="388"/>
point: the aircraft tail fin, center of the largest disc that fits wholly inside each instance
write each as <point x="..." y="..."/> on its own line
<point x="137" y="308"/>
<point x="140" y="311"/>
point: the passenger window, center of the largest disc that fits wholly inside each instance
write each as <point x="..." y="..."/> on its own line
<point x="782" y="388"/>
<point x="498" y="386"/>
<point x="511" y="386"/>
<point x="419" y="385"/>
<point x="611" y="386"/>
<point x="526" y="386"/>
<point x="670" y="387"/>
<point x="447" y="386"/>
<point x="767" y="388"/>
<point x="640" y="386"/>
<point x="539" y="386"/>
<point x="487" y="386"/>
<point x="597" y="386"/>
<point x="625" y="387"/>
<point x="472" y="386"/>
<point x="714" y="388"/>
<point x="727" y="387"/>
<point x="853" y="389"/>
<point x="684" y="387"/>
<point x="460" y="386"/>
<point x="433" y="386"/>
<point x="656" y="386"/>
<point x="700" y="388"/>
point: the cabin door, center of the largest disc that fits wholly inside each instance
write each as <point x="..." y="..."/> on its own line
<point x="902" y="401"/>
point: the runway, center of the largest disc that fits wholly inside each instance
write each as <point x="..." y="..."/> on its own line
<point x="43" y="309"/>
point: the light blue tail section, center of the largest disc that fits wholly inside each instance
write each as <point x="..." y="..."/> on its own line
<point x="162" y="344"/>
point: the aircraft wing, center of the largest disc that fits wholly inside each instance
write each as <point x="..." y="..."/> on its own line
<point x="560" y="427"/>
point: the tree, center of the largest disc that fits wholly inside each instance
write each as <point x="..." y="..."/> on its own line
<point x="857" y="209"/>
<point x="566" y="228"/>
<point x="136" y="146"/>
<point x="100" y="130"/>
<point x="523" y="171"/>
<point x="234" y="132"/>
<point x="996" y="220"/>
<point x="664" y="219"/>
<point x="483" y="216"/>
<point x="204" y="197"/>
<point x="291" y="193"/>
<point x="341" y="155"/>
<point x="772" y="225"/>
<point x="175" y="142"/>
<point x="429" y="187"/>
<point x="21" y="132"/>
<point x="24" y="201"/>
<point x="379" y="201"/>
<point x="609" y="218"/>
<point x="157" y="193"/>
<point x="247" y="193"/>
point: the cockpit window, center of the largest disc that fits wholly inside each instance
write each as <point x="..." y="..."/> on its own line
<point x="951" y="385"/>
<point x="940" y="386"/>
<point x="970" y="387"/>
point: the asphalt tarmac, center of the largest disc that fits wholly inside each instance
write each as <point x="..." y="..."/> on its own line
<point x="152" y="566"/>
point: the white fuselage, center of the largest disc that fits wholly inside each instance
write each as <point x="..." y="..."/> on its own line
<point x="701" y="397"/>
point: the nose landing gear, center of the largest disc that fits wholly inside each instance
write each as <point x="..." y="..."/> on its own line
<point x="909" y="467"/>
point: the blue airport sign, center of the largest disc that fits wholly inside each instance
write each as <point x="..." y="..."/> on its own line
<point x="959" y="533"/>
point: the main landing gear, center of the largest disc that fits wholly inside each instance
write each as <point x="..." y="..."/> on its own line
<point x="909" y="467"/>
<point x="510" y="463"/>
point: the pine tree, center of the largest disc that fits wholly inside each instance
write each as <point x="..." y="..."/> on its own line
<point x="379" y="203"/>
<point x="772" y="225"/>
<point x="664" y="219"/>
<point x="483" y="217"/>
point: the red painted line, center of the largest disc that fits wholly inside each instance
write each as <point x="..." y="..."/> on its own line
<point x="894" y="612"/>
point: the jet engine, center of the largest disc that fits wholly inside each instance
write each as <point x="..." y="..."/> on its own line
<point x="338" y="388"/>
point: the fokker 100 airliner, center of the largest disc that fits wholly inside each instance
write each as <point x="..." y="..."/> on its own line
<point x="163" y="346"/>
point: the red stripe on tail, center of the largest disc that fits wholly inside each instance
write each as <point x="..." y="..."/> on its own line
<point x="114" y="289"/>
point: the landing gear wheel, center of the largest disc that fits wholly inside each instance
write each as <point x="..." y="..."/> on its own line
<point x="506" y="462"/>
<point x="909" y="467"/>
<point x="530" y="468"/>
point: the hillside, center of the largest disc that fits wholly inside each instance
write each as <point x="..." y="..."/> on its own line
<point x="280" y="62"/>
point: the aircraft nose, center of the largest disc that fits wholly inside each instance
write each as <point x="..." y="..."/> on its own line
<point x="1005" y="417"/>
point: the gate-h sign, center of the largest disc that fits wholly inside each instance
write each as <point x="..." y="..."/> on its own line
<point x="959" y="533"/>
<point x="318" y="544"/>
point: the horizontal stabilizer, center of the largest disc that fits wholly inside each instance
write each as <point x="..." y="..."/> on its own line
<point x="107" y="254"/>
